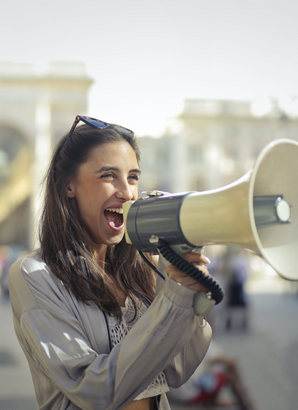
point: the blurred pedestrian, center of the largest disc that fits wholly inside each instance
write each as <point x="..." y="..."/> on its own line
<point x="236" y="298"/>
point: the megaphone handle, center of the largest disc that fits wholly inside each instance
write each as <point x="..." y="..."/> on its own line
<point x="202" y="302"/>
<point x="208" y="281"/>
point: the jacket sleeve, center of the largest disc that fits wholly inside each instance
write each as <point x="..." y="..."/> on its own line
<point x="192" y="353"/>
<point x="58" y="344"/>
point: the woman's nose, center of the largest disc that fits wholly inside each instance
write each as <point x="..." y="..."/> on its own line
<point x="125" y="192"/>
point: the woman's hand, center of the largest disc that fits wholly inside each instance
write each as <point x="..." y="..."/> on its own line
<point x="185" y="280"/>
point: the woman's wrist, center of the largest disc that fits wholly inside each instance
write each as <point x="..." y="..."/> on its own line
<point x="178" y="294"/>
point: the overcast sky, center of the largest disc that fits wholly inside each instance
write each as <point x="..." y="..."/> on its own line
<point x="147" y="56"/>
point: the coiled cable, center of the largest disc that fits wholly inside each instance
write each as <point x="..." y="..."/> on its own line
<point x="208" y="281"/>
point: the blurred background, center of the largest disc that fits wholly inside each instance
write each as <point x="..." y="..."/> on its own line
<point x="205" y="85"/>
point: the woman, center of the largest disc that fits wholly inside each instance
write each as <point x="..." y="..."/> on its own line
<point x="96" y="329"/>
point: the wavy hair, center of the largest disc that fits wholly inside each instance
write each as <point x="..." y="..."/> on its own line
<point x="64" y="242"/>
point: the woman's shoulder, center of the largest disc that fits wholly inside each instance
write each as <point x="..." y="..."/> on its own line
<point x="32" y="261"/>
<point x="32" y="285"/>
<point x="28" y="263"/>
<point x="32" y="272"/>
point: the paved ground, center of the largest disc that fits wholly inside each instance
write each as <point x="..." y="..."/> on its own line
<point x="267" y="355"/>
<point x="16" y="389"/>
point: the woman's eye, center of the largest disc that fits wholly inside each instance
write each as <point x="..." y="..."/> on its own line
<point x="107" y="176"/>
<point x="134" y="177"/>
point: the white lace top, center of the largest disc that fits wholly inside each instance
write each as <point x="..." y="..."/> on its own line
<point x="119" y="330"/>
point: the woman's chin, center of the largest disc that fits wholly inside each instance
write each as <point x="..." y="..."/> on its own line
<point x="110" y="237"/>
<point x="112" y="240"/>
<point x="115" y="235"/>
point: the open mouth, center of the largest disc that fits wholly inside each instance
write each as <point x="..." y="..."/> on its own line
<point x="114" y="216"/>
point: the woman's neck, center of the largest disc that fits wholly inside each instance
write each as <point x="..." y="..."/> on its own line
<point x="99" y="254"/>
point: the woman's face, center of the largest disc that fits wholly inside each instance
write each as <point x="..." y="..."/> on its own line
<point x="107" y="180"/>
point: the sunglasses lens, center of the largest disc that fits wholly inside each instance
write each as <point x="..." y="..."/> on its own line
<point x="101" y="124"/>
<point x="122" y="129"/>
<point x="95" y="123"/>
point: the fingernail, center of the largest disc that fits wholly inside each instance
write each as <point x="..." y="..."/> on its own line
<point x="207" y="259"/>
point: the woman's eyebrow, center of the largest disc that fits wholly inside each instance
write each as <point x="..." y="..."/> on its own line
<point x="136" y="170"/>
<point x="106" y="168"/>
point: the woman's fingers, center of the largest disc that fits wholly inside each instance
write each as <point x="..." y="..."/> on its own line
<point x="195" y="257"/>
<point x="185" y="280"/>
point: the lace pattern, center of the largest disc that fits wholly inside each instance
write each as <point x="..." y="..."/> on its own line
<point x="118" y="330"/>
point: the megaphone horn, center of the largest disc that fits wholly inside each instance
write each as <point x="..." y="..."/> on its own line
<point x="258" y="212"/>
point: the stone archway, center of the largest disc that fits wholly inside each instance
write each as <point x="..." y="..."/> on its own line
<point x="43" y="106"/>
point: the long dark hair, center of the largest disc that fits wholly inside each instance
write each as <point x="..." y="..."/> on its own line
<point x="63" y="241"/>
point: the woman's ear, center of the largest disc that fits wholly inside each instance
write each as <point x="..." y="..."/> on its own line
<point x="70" y="191"/>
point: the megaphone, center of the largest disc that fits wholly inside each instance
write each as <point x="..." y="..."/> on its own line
<point x="258" y="212"/>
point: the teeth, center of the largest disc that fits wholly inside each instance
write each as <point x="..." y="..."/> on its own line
<point x="117" y="210"/>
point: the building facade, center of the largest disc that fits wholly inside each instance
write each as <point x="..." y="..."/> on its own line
<point x="36" y="109"/>
<point x="213" y="143"/>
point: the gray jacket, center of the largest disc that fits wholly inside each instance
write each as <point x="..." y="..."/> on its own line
<point x="66" y="342"/>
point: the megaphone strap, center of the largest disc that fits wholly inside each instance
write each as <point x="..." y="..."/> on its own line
<point x="151" y="265"/>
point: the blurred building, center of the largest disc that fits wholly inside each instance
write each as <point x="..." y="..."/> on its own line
<point x="212" y="143"/>
<point x="37" y="107"/>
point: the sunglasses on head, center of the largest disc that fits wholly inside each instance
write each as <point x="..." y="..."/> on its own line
<point x="93" y="122"/>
